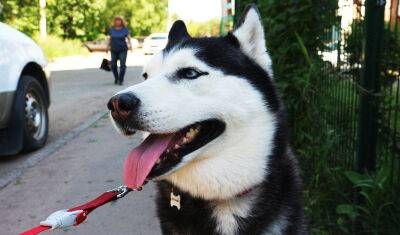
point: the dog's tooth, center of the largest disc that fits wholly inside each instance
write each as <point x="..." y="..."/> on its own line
<point x="158" y="161"/>
<point x="168" y="150"/>
<point x="176" y="146"/>
<point x="191" y="133"/>
<point x="188" y="134"/>
<point x="185" y="140"/>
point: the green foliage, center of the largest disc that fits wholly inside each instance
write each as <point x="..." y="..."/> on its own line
<point x="293" y="32"/>
<point x="123" y="8"/>
<point x="79" y="19"/>
<point x="374" y="208"/>
<point x="142" y="16"/>
<point x="86" y="19"/>
<point x="54" y="47"/>
<point x="149" y="16"/>
<point x="89" y="19"/>
<point x="203" y="29"/>
<point x="339" y="201"/>
<point x="23" y="15"/>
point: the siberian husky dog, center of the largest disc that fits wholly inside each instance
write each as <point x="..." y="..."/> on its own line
<point x="218" y="147"/>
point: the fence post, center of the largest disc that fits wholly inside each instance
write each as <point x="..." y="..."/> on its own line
<point x="369" y="96"/>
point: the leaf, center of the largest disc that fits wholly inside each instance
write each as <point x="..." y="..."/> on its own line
<point x="367" y="197"/>
<point x="347" y="209"/>
<point x="354" y="177"/>
<point x="303" y="48"/>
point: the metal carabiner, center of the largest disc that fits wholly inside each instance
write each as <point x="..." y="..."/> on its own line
<point x="121" y="190"/>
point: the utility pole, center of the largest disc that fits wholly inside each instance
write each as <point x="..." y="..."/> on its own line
<point x="42" y="24"/>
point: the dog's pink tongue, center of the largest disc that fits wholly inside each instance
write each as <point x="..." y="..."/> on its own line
<point x="141" y="159"/>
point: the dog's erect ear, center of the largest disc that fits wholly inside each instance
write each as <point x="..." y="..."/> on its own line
<point x="177" y="33"/>
<point x="250" y="33"/>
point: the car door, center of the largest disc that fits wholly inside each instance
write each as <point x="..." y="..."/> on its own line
<point x="7" y="87"/>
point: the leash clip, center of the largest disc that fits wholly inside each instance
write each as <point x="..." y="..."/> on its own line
<point x="122" y="191"/>
<point x="62" y="219"/>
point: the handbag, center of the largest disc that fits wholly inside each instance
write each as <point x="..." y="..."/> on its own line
<point x="105" y="65"/>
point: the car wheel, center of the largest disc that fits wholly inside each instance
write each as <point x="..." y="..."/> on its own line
<point x="34" y="104"/>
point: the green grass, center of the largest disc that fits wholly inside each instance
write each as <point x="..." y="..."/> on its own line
<point x="54" y="47"/>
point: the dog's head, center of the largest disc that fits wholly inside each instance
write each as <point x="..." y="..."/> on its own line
<point x="209" y="105"/>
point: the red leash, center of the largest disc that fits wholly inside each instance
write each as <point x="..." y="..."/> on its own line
<point x="76" y="215"/>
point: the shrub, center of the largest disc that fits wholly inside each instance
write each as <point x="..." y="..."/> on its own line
<point x="54" y="46"/>
<point x="376" y="209"/>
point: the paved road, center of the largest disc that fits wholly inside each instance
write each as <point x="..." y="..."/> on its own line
<point x="76" y="173"/>
<point x="78" y="91"/>
<point x="83" y="167"/>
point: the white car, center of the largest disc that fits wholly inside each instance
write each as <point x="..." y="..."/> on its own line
<point x="154" y="43"/>
<point x="24" y="93"/>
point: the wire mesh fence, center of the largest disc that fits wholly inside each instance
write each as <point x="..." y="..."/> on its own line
<point x="344" y="60"/>
<point x="344" y="55"/>
<point x="364" y="116"/>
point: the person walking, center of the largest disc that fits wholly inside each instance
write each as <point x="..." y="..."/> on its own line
<point x="119" y="39"/>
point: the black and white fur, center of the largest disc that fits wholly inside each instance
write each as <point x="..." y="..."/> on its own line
<point x="252" y="155"/>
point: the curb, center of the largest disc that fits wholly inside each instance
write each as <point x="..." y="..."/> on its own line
<point x="49" y="149"/>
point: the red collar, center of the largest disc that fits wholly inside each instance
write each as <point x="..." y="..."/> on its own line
<point x="245" y="192"/>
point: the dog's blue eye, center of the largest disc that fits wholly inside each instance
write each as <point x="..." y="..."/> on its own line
<point x="190" y="73"/>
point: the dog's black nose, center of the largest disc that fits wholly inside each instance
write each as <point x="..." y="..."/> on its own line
<point x="123" y="104"/>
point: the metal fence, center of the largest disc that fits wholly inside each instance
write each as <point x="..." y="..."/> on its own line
<point x="363" y="85"/>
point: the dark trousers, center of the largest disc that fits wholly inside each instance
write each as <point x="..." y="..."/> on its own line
<point x="121" y="56"/>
